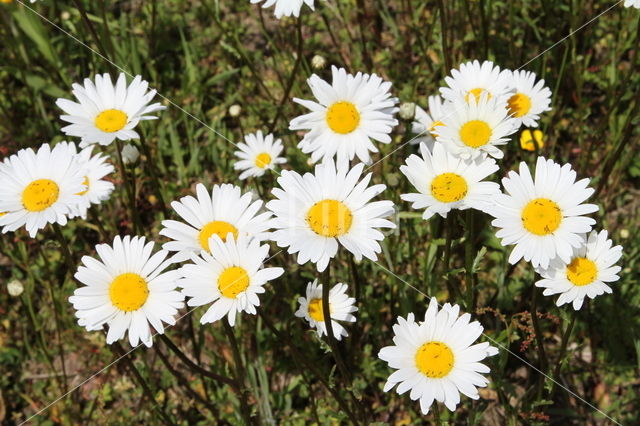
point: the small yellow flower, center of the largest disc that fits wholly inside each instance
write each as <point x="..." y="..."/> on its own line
<point x="527" y="140"/>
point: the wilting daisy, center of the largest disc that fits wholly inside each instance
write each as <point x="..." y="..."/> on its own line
<point x="543" y="217"/>
<point x="225" y="210"/>
<point x="105" y="112"/>
<point x="531" y="141"/>
<point x="632" y="3"/>
<point x="231" y="277"/>
<point x="447" y="182"/>
<point x="349" y="113"/>
<point x="471" y="129"/>
<point x="317" y="211"/>
<point x="591" y="266"/>
<point x="426" y="122"/>
<point x="473" y="80"/>
<point x="286" y="7"/>
<point x="95" y="168"/>
<point x="435" y="359"/>
<point x="127" y="288"/>
<point x="258" y="154"/>
<point x="530" y="99"/>
<point x="40" y="187"/>
<point x="341" y="308"/>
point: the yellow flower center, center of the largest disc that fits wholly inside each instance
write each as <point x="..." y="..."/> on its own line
<point x="263" y="160"/>
<point x="2" y="213"/>
<point x="85" y="182"/>
<point x="475" y="133"/>
<point x="582" y="271"/>
<point x="330" y="218"/>
<point x="233" y="281"/>
<point x="449" y="187"/>
<point x="343" y="117"/>
<point x="528" y="140"/>
<point x="40" y="195"/>
<point x="519" y="104"/>
<point x="315" y="310"/>
<point x="128" y="292"/>
<point x="111" y="120"/>
<point x="218" y="227"/>
<point x="541" y="216"/>
<point x="433" y="127"/>
<point x="434" y="359"/>
<point x="477" y="93"/>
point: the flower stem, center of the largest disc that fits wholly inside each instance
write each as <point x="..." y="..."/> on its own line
<point x="443" y="33"/>
<point x="129" y="188"/>
<point x="66" y="252"/>
<point x="243" y="392"/>
<point x="468" y="260"/>
<point x="563" y="348"/>
<point x="542" y="356"/>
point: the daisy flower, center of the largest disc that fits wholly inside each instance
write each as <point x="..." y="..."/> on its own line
<point x="225" y="210"/>
<point x="632" y="3"/>
<point x="127" y="289"/>
<point x="317" y="212"/>
<point x="543" y="216"/>
<point x="95" y="168"/>
<point x="106" y="112"/>
<point x="286" y="7"/>
<point x="37" y="188"/>
<point x="477" y="79"/>
<point x="435" y="359"/>
<point x="349" y="113"/>
<point x="445" y="182"/>
<point x="341" y="307"/>
<point x="529" y="100"/>
<point x="426" y="122"/>
<point x="231" y="277"/>
<point x="471" y="129"/>
<point x="259" y="154"/>
<point x="591" y="266"/>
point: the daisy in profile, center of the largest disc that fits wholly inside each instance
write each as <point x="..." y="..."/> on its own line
<point x="258" y="154"/>
<point x="445" y="182"/>
<point x="231" y="277"/>
<point x="95" y="168"/>
<point x="473" y="80"/>
<point x="543" y="216"/>
<point x="37" y="188"/>
<point x="426" y="122"/>
<point x="436" y="359"/>
<point x="529" y="100"/>
<point x="591" y="266"/>
<point x="225" y="211"/>
<point x="348" y="115"/>
<point x="286" y="7"/>
<point x="127" y="289"/>
<point x="105" y="112"/>
<point x="315" y="213"/>
<point x="471" y="129"/>
<point x="632" y="3"/>
<point x="341" y="308"/>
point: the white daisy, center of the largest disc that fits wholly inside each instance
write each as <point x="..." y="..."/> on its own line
<point x="543" y="217"/>
<point x="341" y="307"/>
<point x="445" y="182"/>
<point x="632" y="3"/>
<point x="286" y="7"/>
<point x="40" y="187"/>
<point x="426" y="122"/>
<point x="591" y="266"/>
<point x="95" y="168"/>
<point x="225" y="210"/>
<point x="106" y="112"/>
<point x="435" y="359"/>
<point x="259" y="154"/>
<point x="231" y="277"/>
<point x="127" y="290"/>
<point x="471" y="129"/>
<point x="317" y="211"/>
<point x="477" y="79"/>
<point x="529" y="100"/>
<point x="349" y="113"/>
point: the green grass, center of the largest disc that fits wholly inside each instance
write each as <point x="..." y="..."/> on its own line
<point x="208" y="55"/>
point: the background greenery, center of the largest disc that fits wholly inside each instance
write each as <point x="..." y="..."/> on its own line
<point x="208" y="55"/>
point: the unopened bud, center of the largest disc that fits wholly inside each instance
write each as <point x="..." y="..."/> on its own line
<point x="15" y="288"/>
<point x="235" y="110"/>
<point x="407" y="111"/>
<point x="130" y="154"/>
<point x="318" y="62"/>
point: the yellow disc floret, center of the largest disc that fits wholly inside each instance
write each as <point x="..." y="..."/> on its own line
<point x="111" y="120"/>
<point x="582" y="271"/>
<point x="218" y="227"/>
<point x="315" y="310"/>
<point x="541" y="216"/>
<point x="233" y="281"/>
<point x="343" y="117"/>
<point x="477" y="93"/>
<point x="40" y="195"/>
<point x="85" y="182"/>
<point x="475" y="133"/>
<point x="330" y="218"/>
<point x="434" y="359"/>
<point x="128" y="292"/>
<point x="263" y="160"/>
<point x="449" y="187"/>
<point x="519" y="105"/>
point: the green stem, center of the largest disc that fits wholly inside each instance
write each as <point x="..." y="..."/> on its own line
<point x="542" y="356"/>
<point x="129" y="188"/>
<point x="94" y="34"/>
<point x="563" y="348"/>
<point x="243" y="394"/>
<point x="151" y="166"/>
<point x="66" y="252"/>
<point x="468" y="260"/>
<point x="443" y="30"/>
